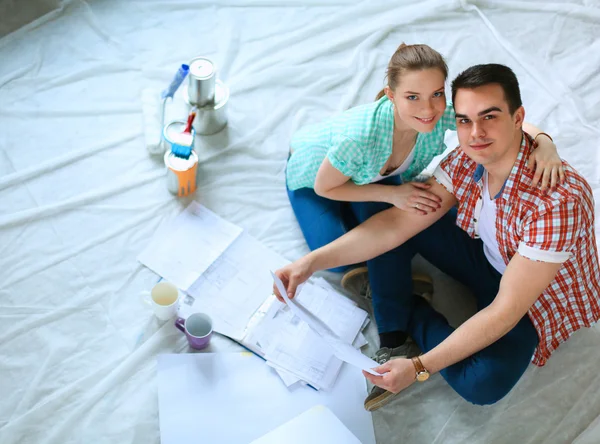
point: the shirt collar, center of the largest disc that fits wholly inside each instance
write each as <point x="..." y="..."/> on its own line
<point x="510" y="188"/>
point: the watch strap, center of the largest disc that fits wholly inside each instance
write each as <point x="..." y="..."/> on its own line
<point x="419" y="368"/>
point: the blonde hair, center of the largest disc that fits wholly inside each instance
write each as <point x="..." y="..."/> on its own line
<point x="412" y="58"/>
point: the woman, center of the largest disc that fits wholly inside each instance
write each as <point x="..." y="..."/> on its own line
<point x="340" y="171"/>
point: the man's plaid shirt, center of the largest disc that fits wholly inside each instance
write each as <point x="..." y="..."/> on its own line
<point x="558" y="227"/>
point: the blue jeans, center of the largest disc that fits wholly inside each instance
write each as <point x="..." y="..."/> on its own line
<point x="489" y="374"/>
<point x="483" y="378"/>
<point x="323" y="220"/>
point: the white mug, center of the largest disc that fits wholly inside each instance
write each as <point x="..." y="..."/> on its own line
<point x="164" y="300"/>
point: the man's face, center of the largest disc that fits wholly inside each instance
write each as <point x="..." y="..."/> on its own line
<point x="487" y="132"/>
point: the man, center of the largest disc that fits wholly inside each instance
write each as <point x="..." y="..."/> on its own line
<point x="530" y="257"/>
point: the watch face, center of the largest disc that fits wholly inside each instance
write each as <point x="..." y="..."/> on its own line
<point x="423" y="376"/>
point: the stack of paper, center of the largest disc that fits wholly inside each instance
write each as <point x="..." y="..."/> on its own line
<point x="289" y="343"/>
<point x="225" y="274"/>
<point x="330" y="338"/>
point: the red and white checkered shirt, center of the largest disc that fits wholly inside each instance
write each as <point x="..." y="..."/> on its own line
<point x="555" y="228"/>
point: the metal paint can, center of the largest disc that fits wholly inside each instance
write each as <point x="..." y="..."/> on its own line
<point x="182" y="174"/>
<point x="202" y="81"/>
<point x="211" y="118"/>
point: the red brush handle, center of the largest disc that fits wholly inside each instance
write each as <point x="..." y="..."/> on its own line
<point x="188" y="127"/>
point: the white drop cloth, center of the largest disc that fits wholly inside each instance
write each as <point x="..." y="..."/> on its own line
<point x="80" y="197"/>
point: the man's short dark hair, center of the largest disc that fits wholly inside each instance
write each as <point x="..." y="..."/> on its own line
<point x="481" y="75"/>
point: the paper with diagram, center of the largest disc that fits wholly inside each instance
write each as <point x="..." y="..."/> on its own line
<point x="234" y="287"/>
<point x="341" y="349"/>
<point x="184" y="249"/>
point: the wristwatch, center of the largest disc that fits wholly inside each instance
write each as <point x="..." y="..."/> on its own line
<point x="422" y="373"/>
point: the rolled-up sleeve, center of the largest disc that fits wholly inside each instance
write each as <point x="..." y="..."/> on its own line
<point x="448" y="169"/>
<point x="552" y="233"/>
<point x="346" y="156"/>
<point x="443" y="178"/>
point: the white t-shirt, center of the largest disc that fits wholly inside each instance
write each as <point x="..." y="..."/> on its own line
<point x="402" y="168"/>
<point x="487" y="229"/>
<point x="488" y="233"/>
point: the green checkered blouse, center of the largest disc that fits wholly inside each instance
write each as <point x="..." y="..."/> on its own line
<point x="358" y="142"/>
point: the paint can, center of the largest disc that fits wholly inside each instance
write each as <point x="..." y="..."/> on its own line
<point x="212" y="118"/>
<point x="182" y="174"/>
<point x="202" y="81"/>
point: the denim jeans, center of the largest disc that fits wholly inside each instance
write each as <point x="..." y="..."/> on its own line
<point x="323" y="220"/>
<point x="489" y="374"/>
<point x="483" y="378"/>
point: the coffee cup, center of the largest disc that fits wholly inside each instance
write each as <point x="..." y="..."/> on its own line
<point x="197" y="328"/>
<point x="163" y="298"/>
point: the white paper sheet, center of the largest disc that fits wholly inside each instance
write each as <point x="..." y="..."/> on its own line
<point x="288" y="378"/>
<point x="234" y="286"/>
<point x="318" y="425"/>
<point x="340" y="314"/>
<point x="341" y="349"/>
<point x="235" y="398"/>
<point x="360" y="341"/>
<point x="292" y="345"/>
<point x="352" y="356"/>
<point x="183" y="250"/>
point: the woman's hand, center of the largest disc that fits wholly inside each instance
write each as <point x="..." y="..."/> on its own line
<point x="414" y="198"/>
<point x="397" y="374"/>
<point x="547" y="164"/>
<point x="293" y="275"/>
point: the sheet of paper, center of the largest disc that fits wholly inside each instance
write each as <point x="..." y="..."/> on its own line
<point x="321" y="282"/>
<point x="342" y="350"/>
<point x="235" y="398"/>
<point x="318" y="425"/>
<point x="317" y="325"/>
<point x="288" y="378"/>
<point x="341" y="315"/>
<point x="352" y="356"/>
<point x="360" y="341"/>
<point x="183" y="250"/>
<point x="234" y="286"/>
<point x="293" y="346"/>
<point x="311" y="359"/>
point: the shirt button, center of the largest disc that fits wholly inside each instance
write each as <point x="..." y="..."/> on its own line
<point x="474" y="220"/>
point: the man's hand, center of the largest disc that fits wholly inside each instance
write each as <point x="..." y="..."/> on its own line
<point x="293" y="275"/>
<point x="522" y="283"/>
<point x="397" y="375"/>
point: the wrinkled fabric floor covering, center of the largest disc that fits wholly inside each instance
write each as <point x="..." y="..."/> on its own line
<point x="80" y="197"/>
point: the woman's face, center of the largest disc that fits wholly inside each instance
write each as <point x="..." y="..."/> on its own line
<point x="419" y="98"/>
